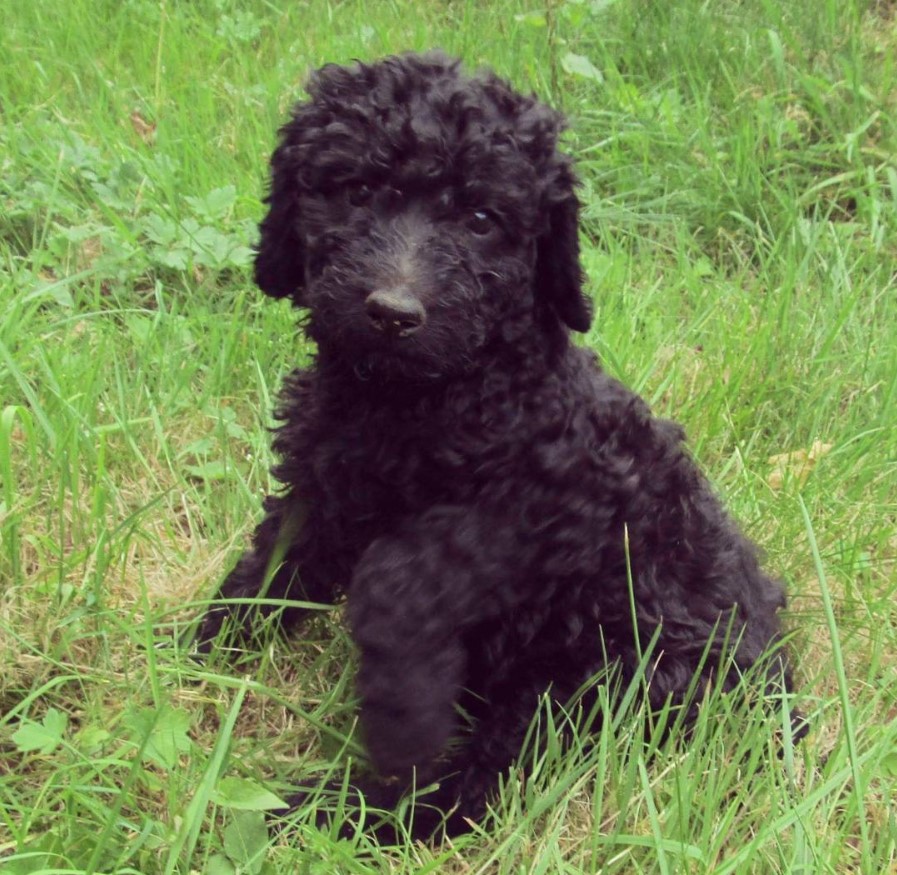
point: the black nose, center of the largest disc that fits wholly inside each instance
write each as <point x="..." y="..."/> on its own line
<point x="394" y="313"/>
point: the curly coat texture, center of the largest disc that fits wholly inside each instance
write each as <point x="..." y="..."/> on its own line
<point x="473" y="482"/>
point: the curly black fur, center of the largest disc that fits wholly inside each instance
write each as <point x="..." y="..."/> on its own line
<point x="474" y="482"/>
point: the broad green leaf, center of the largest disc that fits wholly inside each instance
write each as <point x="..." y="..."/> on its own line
<point x="162" y="733"/>
<point x="580" y="65"/>
<point x="43" y="737"/>
<point x="246" y="840"/>
<point x="242" y="793"/>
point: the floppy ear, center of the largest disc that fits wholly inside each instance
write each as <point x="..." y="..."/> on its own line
<point x="280" y="256"/>
<point x="558" y="272"/>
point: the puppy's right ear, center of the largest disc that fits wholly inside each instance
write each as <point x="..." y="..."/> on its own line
<point x="280" y="257"/>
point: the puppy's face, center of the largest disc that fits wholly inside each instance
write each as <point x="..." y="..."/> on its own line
<point x="409" y="210"/>
<point x="413" y="276"/>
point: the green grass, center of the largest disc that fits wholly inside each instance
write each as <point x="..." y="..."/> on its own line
<point x="740" y="236"/>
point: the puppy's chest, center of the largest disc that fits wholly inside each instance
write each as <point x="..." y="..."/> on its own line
<point x="384" y="463"/>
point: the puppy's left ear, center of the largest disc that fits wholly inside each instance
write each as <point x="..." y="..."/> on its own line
<point x="280" y="257"/>
<point x="558" y="272"/>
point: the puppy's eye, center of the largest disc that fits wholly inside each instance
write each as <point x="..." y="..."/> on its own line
<point x="359" y="195"/>
<point x="481" y="222"/>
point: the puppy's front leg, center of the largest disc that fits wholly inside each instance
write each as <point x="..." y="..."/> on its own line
<point x="413" y="596"/>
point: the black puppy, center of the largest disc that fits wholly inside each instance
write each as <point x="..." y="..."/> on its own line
<point x="504" y="518"/>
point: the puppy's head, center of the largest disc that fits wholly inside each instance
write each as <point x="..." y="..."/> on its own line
<point x="422" y="216"/>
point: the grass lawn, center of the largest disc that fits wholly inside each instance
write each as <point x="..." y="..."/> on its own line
<point x="740" y="235"/>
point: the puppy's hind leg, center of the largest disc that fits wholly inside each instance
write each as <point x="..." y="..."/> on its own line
<point x="275" y="569"/>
